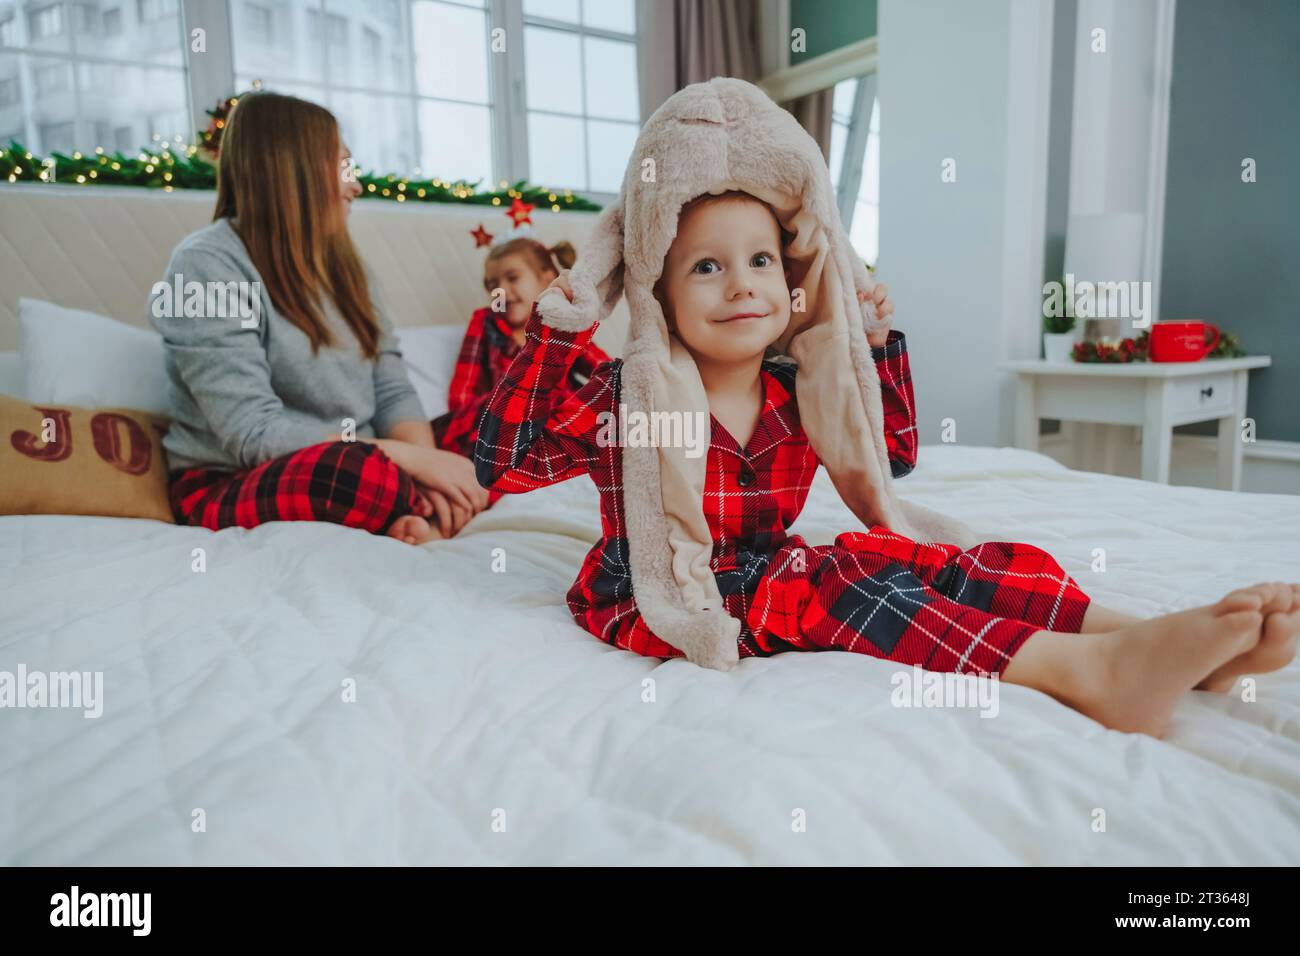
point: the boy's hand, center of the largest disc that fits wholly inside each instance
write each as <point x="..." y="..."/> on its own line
<point x="561" y="282"/>
<point x="884" y="309"/>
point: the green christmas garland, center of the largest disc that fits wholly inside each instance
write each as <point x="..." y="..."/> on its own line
<point x="167" y="167"/>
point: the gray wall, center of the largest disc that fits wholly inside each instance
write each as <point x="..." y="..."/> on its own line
<point x="943" y="93"/>
<point x="1231" y="249"/>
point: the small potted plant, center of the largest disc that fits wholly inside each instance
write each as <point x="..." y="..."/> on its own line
<point x="1058" y="337"/>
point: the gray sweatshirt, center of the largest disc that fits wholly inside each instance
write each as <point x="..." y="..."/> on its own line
<point x="240" y="395"/>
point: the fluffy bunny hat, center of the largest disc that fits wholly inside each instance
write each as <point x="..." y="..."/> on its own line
<point x="713" y="137"/>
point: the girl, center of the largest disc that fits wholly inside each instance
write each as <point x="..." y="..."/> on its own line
<point x="515" y="273"/>
<point x="259" y="409"/>
<point x="1001" y="608"/>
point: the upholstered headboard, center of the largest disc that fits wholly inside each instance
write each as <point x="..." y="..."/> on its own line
<point x="102" y="248"/>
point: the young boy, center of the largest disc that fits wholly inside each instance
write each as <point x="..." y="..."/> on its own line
<point x="999" y="608"/>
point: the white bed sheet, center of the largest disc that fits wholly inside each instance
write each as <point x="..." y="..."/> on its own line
<point x="488" y="728"/>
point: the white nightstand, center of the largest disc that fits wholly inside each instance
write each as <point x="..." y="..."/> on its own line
<point x="1154" y="395"/>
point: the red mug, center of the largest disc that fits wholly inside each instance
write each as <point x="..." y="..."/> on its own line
<point x="1181" y="340"/>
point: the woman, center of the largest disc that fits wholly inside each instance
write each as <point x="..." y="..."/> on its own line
<point x="289" y="398"/>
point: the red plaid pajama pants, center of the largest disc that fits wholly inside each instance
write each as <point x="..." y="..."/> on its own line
<point x="349" y="483"/>
<point x="885" y="595"/>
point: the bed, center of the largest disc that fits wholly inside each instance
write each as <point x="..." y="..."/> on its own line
<point x="318" y="696"/>
<point x="482" y="726"/>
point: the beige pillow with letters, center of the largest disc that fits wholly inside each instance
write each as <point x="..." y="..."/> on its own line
<point x="60" y="459"/>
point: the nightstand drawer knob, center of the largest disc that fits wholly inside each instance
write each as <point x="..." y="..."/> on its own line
<point x="1207" y="391"/>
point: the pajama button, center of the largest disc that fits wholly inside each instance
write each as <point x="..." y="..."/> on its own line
<point x="746" y="476"/>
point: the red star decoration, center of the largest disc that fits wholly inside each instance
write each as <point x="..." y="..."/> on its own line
<point x="519" y="212"/>
<point x="481" y="236"/>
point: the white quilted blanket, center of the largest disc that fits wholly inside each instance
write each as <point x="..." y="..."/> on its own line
<point x="488" y="728"/>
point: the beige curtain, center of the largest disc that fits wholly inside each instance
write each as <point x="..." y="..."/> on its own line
<point x="681" y="42"/>
<point x="814" y="114"/>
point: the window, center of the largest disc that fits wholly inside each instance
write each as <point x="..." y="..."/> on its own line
<point x="583" y="104"/>
<point x="59" y="136"/>
<point x="73" y="73"/>
<point x="54" y="78"/>
<point x="855" y="162"/>
<point x="416" y="98"/>
<point x="257" y="23"/>
<point x="373" y="46"/>
<point x="85" y="18"/>
<point x="151" y="10"/>
<point x="45" y="22"/>
<point x="416" y="84"/>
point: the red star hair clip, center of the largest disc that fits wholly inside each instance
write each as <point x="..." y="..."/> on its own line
<point x="519" y="212"/>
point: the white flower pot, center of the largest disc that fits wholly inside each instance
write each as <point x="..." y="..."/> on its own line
<point x="1058" y="346"/>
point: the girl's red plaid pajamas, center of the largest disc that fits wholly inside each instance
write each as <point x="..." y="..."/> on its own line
<point x="871" y="592"/>
<point x="485" y="354"/>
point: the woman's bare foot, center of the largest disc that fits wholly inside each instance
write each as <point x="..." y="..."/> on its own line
<point x="1276" y="647"/>
<point x="1145" y="668"/>
<point x="412" y="529"/>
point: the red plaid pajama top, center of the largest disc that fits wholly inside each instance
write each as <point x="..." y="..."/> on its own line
<point x="485" y="353"/>
<point x="872" y="592"/>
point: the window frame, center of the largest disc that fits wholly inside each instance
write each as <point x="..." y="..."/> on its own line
<point x="853" y="158"/>
<point x="208" y="77"/>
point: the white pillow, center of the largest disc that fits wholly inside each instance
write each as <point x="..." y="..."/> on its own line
<point x="430" y="352"/>
<point x="11" y="375"/>
<point x="71" y="357"/>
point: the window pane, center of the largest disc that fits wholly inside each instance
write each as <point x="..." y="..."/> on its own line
<point x="379" y="47"/>
<point x="566" y="10"/>
<point x="122" y="106"/>
<point x="380" y="130"/>
<point x="870" y="187"/>
<point x="451" y="51"/>
<point x="35" y="26"/>
<point x="609" y="145"/>
<point x="610" y="15"/>
<point x="150" y="31"/>
<point x="135" y="102"/>
<point x="842" y="99"/>
<point x="611" y="79"/>
<point x="304" y="91"/>
<point x="552" y="70"/>
<point x="455" y="142"/>
<point x="293" y="49"/>
<point x="839" y="132"/>
<point x="51" y="124"/>
<point x="865" y="233"/>
<point x="555" y="153"/>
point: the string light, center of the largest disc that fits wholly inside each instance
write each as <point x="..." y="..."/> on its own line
<point x="200" y="175"/>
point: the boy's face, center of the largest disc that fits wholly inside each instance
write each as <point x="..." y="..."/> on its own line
<point x="723" y="286"/>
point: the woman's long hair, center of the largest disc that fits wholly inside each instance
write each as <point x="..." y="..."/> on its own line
<point x="278" y="179"/>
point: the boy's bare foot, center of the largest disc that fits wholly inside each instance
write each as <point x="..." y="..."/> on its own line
<point x="1276" y="647"/>
<point x="1145" y="668"/>
<point x="412" y="529"/>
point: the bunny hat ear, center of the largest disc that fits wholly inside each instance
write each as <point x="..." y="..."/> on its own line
<point x="596" y="277"/>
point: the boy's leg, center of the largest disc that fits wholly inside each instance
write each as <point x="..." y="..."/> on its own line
<point x="836" y="598"/>
<point x="1006" y="578"/>
<point x="1132" y="678"/>
<point x="349" y="483"/>
<point x="1099" y="619"/>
